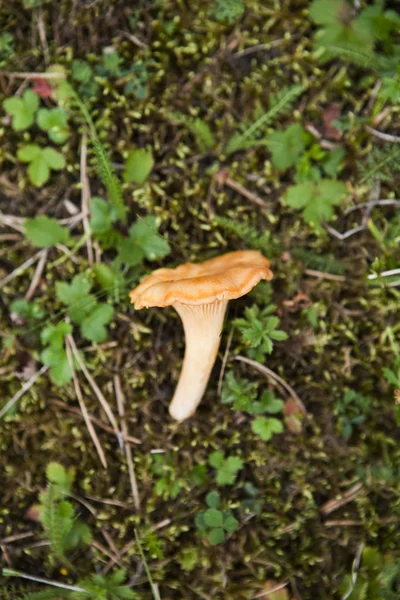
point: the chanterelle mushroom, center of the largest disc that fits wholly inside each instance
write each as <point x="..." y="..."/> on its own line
<point x="200" y="293"/>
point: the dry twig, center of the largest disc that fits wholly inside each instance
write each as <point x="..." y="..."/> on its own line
<point x="96" y="389"/>
<point x="128" y="450"/>
<point x="37" y="275"/>
<point x="85" y="199"/>
<point x="82" y="405"/>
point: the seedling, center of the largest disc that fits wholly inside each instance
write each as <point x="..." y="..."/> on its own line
<point x="259" y="331"/>
<point x="242" y="395"/>
<point x="83" y="308"/>
<point x="44" y="232"/>
<point x="227" y="468"/>
<point x="22" y="109"/>
<point x="63" y="530"/>
<point x="352" y="410"/>
<point x="54" y="354"/>
<point x="316" y="199"/>
<point x="214" y="523"/>
<point x="138" y="165"/>
<point x="41" y="162"/>
<point x="54" y="121"/>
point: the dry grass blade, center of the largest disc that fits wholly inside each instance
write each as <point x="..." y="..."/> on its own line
<point x="37" y="275"/>
<point x="96" y="389"/>
<point x="85" y="199"/>
<point x="82" y="405"/>
<point x="22" y="268"/>
<point x="128" y="450"/>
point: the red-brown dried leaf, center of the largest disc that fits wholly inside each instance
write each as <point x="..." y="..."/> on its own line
<point x="42" y="87"/>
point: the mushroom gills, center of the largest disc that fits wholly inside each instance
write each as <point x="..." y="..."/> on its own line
<point x="202" y="325"/>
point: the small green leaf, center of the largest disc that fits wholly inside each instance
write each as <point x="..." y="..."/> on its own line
<point x="213" y="517"/>
<point x="143" y="241"/>
<point x="216" y="459"/>
<point x="29" y="152"/>
<point x="93" y="326"/>
<point x="38" y="171"/>
<point x="266" y="427"/>
<point x="102" y="215"/>
<point x="22" y="109"/>
<point x="138" y="166"/>
<point x="286" y="146"/>
<point x="60" y="369"/>
<point x="44" y="232"/>
<point x="213" y="499"/>
<point x="216" y="536"/>
<point x="317" y="199"/>
<point x="53" y="158"/>
<point x="54" y="334"/>
<point x="230" y="523"/>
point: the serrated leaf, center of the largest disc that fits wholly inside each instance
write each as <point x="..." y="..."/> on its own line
<point x="22" y="110"/>
<point x="68" y="293"/>
<point x="29" y="152"/>
<point x="286" y="146"/>
<point x="317" y="199"/>
<point x="53" y="158"/>
<point x="93" y="326"/>
<point x="216" y="459"/>
<point x="143" y="241"/>
<point x="60" y="369"/>
<point x="44" y="232"/>
<point x="138" y="166"/>
<point x="102" y="215"/>
<point x="266" y="427"/>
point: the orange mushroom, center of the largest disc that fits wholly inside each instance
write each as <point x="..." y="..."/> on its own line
<point x="200" y="294"/>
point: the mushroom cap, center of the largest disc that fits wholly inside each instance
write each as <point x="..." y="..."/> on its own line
<point x="223" y="278"/>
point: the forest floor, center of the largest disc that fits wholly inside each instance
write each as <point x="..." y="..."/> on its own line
<point x="229" y="126"/>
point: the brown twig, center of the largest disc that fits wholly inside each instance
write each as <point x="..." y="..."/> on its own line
<point x="128" y="450"/>
<point x="99" y="394"/>
<point x="238" y="187"/>
<point x="386" y="137"/>
<point x="322" y="275"/>
<point x="37" y="275"/>
<point x="22" y="268"/>
<point x="82" y="405"/>
<point x="29" y="75"/>
<point x="346" y="497"/>
<point x="85" y="199"/>
<point x="95" y="421"/>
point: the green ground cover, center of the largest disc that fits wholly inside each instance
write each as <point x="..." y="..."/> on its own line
<point x="140" y="135"/>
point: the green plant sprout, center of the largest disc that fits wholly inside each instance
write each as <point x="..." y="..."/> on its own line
<point x="214" y="523"/>
<point x="22" y="110"/>
<point x="259" y="331"/>
<point x="41" y="162"/>
<point x="242" y="395"/>
<point x="63" y="530"/>
<point x="352" y="410"/>
<point x="54" y="122"/>
<point x="227" y="468"/>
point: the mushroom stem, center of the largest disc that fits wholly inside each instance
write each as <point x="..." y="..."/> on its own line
<point x="203" y="325"/>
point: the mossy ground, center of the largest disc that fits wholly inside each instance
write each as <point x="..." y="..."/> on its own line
<point x="196" y="66"/>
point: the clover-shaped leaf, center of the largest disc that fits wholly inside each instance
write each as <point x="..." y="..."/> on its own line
<point x="41" y="162"/>
<point x="22" y="110"/>
<point x="54" y="121"/>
